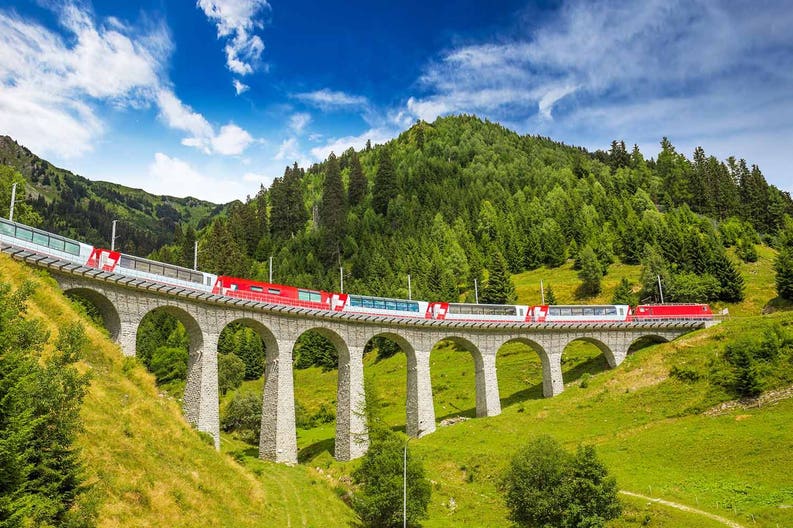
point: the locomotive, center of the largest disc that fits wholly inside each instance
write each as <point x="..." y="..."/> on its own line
<point x="63" y="248"/>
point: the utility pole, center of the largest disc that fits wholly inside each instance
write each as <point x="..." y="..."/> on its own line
<point x="195" y="256"/>
<point x="341" y="279"/>
<point x="113" y="237"/>
<point x="13" y="199"/>
<point x="410" y="292"/>
<point x="271" y="269"/>
<point x="476" y="291"/>
<point x="660" y="289"/>
<point x="542" y="292"/>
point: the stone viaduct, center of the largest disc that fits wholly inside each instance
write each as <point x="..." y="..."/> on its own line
<point x="124" y="301"/>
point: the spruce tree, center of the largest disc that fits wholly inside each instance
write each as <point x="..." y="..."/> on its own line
<point x="729" y="277"/>
<point x="624" y="293"/>
<point x="358" y="184"/>
<point x="591" y="272"/>
<point x="385" y="186"/>
<point x="499" y="288"/>
<point x="332" y="209"/>
<point x="550" y="297"/>
<point x="784" y="273"/>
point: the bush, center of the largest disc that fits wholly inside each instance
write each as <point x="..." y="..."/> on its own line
<point x="378" y="500"/>
<point x="546" y="486"/>
<point x="169" y="364"/>
<point x="244" y="416"/>
<point x="231" y="372"/>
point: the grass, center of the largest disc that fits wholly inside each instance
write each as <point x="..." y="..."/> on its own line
<point x="148" y="467"/>
<point x="650" y="429"/>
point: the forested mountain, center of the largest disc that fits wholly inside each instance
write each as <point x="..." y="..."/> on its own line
<point x="83" y="209"/>
<point x="445" y="202"/>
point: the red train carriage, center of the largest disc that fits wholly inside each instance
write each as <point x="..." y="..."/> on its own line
<point x="666" y="312"/>
<point x="271" y="293"/>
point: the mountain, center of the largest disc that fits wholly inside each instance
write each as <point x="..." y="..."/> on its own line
<point x="83" y="209"/>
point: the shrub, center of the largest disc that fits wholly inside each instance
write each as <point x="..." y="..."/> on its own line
<point x="244" y="416"/>
<point x="231" y="372"/>
<point x="546" y="486"/>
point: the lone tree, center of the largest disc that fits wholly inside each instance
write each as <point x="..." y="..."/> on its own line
<point x="784" y="262"/>
<point x="591" y="272"/>
<point x="546" y="486"/>
<point x="378" y="500"/>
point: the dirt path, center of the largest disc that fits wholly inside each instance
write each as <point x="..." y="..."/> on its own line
<point x="731" y="524"/>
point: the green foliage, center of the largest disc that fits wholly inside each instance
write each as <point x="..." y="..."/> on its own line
<point x="746" y="381"/>
<point x="332" y="208"/>
<point x="783" y="266"/>
<point x="23" y="211"/>
<point x="746" y="250"/>
<point x="304" y="420"/>
<point x="169" y="364"/>
<point x="550" y="298"/>
<point x="41" y="475"/>
<point x="358" y="184"/>
<point x="385" y="186"/>
<point x="231" y="372"/>
<point x="499" y="288"/>
<point x="315" y="350"/>
<point x="623" y="294"/>
<point x="243" y="415"/>
<point x="590" y="274"/>
<point x="378" y="500"/>
<point x="246" y="344"/>
<point x="546" y="486"/>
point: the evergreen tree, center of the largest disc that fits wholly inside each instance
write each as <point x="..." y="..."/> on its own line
<point x="590" y="273"/>
<point x="550" y="297"/>
<point x="653" y="266"/>
<point x="499" y="288"/>
<point x="385" y="185"/>
<point x="624" y="294"/>
<point x="729" y="277"/>
<point x="231" y="372"/>
<point x="784" y="262"/>
<point x="358" y="184"/>
<point x="332" y="209"/>
<point x="288" y="213"/>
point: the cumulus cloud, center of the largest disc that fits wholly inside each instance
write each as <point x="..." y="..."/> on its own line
<point x="236" y="21"/>
<point x="175" y="177"/>
<point x="339" y="145"/>
<point x="330" y="99"/>
<point x="49" y="84"/>
<point x="288" y="150"/>
<point x="240" y="87"/>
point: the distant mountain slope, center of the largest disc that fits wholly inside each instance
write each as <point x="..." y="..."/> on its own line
<point x="80" y="208"/>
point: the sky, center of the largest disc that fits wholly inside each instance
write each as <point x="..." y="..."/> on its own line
<point x="213" y="98"/>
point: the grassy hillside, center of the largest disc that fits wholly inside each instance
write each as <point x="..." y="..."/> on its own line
<point x="660" y="436"/>
<point x="148" y="467"/>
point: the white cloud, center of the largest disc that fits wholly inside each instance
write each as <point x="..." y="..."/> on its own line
<point x="298" y="122"/>
<point x="50" y="85"/>
<point x="175" y="177"/>
<point x="339" y="145"/>
<point x="236" y="20"/>
<point x="240" y="87"/>
<point x="330" y="99"/>
<point x="232" y="140"/>
<point x="288" y="150"/>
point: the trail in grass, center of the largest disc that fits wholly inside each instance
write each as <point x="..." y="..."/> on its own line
<point x="731" y="524"/>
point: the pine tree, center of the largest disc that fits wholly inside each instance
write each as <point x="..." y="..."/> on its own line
<point x="591" y="272"/>
<point x="783" y="266"/>
<point x="288" y="213"/>
<point x="499" y="288"/>
<point x="550" y="297"/>
<point x="358" y="184"/>
<point x="624" y="293"/>
<point x="729" y="277"/>
<point x="332" y="209"/>
<point x="385" y="186"/>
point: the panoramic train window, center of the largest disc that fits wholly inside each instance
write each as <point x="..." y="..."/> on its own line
<point x="257" y="289"/>
<point x="6" y="229"/>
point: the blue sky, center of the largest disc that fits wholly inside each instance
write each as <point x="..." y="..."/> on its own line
<point x="212" y="98"/>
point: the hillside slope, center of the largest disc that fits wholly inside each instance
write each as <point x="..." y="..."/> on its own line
<point x="148" y="467"/>
<point x="74" y="206"/>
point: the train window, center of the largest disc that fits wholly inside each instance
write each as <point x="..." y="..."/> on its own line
<point x="576" y="311"/>
<point x="355" y="301"/>
<point x="611" y="311"/>
<point x="565" y="311"/>
<point x="56" y="243"/>
<point x="367" y="303"/>
<point x="72" y="248"/>
<point x="234" y="287"/>
<point x="273" y="291"/>
<point x="24" y="234"/>
<point x="6" y="229"/>
<point x="622" y="311"/>
<point x="380" y="305"/>
<point x="390" y="305"/>
<point x="599" y="311"/>
<point x="589" y="311"/>
<point x="257" y="289"/>
<point x="554" y="311"/>
<point x="304" y="295"/>
<point x="521" y="312"/>
<point x="316" y="297"/>
<point x="414" y="307"/>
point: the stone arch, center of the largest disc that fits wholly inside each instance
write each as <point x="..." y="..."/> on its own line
<point x="486" y="384"/>
<point x="528" y="392"/>
<point x="106" y="308"/>
<point x="352" y="439"/>
<point x="191" y="326"/>
<point x="591" y="364"/>
<point x="644" y="340"/>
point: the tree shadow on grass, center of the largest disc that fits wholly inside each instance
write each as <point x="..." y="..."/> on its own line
<point x="591" y="366"/>
<point x="534" y="392"/>
<point x="312" y="451"/>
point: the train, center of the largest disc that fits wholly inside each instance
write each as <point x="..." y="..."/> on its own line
<point x="63" y="248"/>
